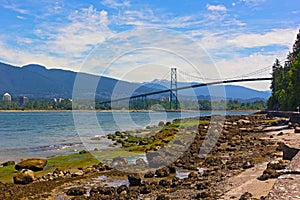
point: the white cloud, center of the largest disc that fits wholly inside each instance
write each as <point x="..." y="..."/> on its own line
<point x="24" y="40"/>
<point x="284" y="37"/>
<point x="20" y="58"/>
<point x="216" y="7"/>
<point x="238" y="65"/>
<point x="144" y="49"/>
<point x="116" y="4"/>
<point x="236" y="41"/>
<point x="296" y="12"/>
<point x="253" y="1"/>
<point x="152" y="18"/>
<point x="87" y="28"/>
<point x="15" y="8"/>
<point x="226" y="51"/>
<point x="142" y="18"/>
<point x="20" y="17"/>
<point x="61" y="45"/>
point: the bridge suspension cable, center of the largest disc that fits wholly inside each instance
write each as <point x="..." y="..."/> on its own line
<point x="246" y="75"/>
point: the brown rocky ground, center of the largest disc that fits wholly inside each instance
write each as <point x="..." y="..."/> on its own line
<point x="241" y="145"/>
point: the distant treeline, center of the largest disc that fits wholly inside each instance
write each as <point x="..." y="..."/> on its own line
<point x="188" y="105"/>
<point x="286" y="81"/>
<point x="36" y="105"/>
<point x="133" y="105"/>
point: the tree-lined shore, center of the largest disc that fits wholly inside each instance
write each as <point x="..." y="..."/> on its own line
<point x="46" y="105"/>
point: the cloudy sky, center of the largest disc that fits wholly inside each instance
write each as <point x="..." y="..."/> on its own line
<point x="119" y="38"/>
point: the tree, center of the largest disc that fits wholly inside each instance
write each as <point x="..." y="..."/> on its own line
<point x="286" y="81"/>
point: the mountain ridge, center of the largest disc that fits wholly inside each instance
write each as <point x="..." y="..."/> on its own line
<point x="37" y="81"/>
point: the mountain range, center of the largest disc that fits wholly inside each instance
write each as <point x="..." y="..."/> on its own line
<point x="36" y="81"/>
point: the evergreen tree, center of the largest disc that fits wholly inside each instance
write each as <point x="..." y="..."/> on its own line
<point x="286" y="81"/>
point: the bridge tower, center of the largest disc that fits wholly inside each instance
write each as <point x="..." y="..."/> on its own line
<point x="173" y="88"/>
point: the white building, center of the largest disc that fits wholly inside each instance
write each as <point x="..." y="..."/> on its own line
<point x="6" y="97"/>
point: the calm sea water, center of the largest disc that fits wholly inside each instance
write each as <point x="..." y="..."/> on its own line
<point x="45" y="134"/>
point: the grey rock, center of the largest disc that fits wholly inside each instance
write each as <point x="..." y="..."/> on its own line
<point x="140" y="162"/>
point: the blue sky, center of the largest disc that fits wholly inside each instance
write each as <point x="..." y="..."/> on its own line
<point x="240" y="36"/>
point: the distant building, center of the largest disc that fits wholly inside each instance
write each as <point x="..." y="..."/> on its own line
<point x="6" y="97"/>
<point x="164" y="98"/>
<point x="23" y="100"/>
<point x="58" y="100"/>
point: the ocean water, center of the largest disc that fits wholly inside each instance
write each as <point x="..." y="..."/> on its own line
<point x="46" y="134"/>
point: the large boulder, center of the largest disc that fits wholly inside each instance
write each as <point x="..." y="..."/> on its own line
<point x="34" y="164"/>
<point x="156" y="160"/>
<point x="8" y="163"/>
<point x="289" y="152"/>
<point x="24" y="176"/>
<point x="162" y="172"/>
<point x="122" y="189"/>
<point x="77" y="173"/>
<point x="76" y="191"/>
<point x="119" y="162"/>
<point x="163" y="157"/>
<point x="246" y="196"/>
<point x="248" y="164"/>
<point x="140" y="162"/>
<point x="149" y="174"/>
<point x="297" y="129"/>
<point x="134" y="179"/>
<point x="278" y="164"/>
<point x="274" y="169"/>
<point x="102" y="192"/>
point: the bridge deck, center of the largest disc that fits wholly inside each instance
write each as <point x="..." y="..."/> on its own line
<point x="188" y="87"/>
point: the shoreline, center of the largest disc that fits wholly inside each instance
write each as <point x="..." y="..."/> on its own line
<point x="105" y="111"/>
<point x="51" y="155"/>
<point x="67" y="153"/>
<point x="234" y="146"/>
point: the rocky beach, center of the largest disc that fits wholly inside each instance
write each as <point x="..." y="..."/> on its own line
<point x="238" y="159"/>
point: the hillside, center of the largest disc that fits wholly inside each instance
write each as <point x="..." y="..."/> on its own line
<point x="36" y="81"/>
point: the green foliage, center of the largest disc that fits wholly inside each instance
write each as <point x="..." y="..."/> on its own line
<point x="190" y="105"/>
<point x="236" y="105"/>
<point x="286" y="82"/>
<point x="65" y="104"/>
<point x="152" y="104"/>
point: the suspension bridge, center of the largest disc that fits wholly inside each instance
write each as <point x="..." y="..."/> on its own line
<point x="173" y="90"/>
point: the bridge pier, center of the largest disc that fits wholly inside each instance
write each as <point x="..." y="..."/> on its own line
<point x="173" y="89"/>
